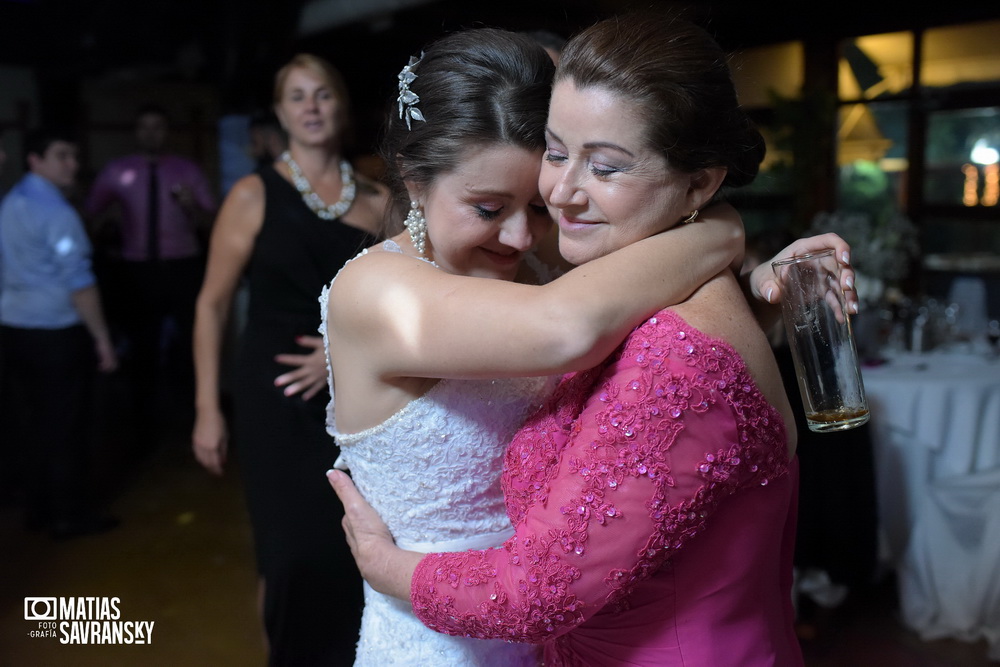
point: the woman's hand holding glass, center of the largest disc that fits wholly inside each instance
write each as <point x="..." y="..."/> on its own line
<point x="764" y="285"/>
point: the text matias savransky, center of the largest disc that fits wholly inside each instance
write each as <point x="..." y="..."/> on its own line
<point x="85" y="620"/>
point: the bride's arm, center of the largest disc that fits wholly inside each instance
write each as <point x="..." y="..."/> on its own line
<point x="417" y="321"/>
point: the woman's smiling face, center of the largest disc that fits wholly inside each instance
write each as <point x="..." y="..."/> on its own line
<point x="602" y="181"/>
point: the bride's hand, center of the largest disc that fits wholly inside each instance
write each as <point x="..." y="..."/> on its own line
<point x="387" y="568"/>
<point x="766" y="287"/>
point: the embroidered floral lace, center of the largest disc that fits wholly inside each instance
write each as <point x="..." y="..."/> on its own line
<point x="626" y="464"/>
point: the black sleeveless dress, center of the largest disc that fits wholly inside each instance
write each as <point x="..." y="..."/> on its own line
<point x="313" y="600"/>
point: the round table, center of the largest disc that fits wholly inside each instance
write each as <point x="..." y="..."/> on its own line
<point x="936" y="428"/>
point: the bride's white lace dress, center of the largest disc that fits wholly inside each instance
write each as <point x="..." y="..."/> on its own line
<point x="432" y="471"/>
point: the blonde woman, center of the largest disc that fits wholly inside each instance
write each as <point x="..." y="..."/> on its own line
<point x="288" y="229"/>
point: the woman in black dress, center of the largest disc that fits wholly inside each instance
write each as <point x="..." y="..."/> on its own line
<point x="276" y="228"/>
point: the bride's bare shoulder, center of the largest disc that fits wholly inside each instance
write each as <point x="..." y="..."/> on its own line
<point x="381" y="267"/>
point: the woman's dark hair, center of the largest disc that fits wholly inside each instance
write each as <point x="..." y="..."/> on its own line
<point x="476" y="87"/>
<point x="678" y="77"/>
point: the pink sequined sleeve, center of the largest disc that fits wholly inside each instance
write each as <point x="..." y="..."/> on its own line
<point x="599" y="502"/>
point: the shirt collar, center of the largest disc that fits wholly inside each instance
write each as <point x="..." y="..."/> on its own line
<point x="42" y="186"/>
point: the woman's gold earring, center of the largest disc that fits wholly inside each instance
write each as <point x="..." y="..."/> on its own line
<point x="690" y="218"/>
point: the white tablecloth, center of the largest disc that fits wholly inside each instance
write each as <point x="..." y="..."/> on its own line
<point x="936" y="424"/>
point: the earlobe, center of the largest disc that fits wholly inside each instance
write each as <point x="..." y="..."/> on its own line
<point x="704" y="184"/>
<point x="413" y="191"/>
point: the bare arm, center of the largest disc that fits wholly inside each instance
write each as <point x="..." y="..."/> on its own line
<point x="416" y="321"/>
<point x="233" y="237"/>
<point x="87" y="302"/>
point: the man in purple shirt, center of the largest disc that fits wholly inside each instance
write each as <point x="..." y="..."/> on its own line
<point x="54" y="336"/>
<point x="165" y="207"/>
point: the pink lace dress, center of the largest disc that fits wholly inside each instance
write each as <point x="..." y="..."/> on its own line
<point x="654" y="510"/>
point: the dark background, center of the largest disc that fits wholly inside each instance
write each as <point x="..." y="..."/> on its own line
<point x="236" y="45"/>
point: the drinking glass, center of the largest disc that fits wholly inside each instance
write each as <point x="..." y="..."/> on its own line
<point x="821" y="341"/>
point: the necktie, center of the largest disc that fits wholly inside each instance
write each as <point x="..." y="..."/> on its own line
<point x="153" y="215"/>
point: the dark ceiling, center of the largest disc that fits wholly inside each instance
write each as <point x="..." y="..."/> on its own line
<point x="236" y="44"/>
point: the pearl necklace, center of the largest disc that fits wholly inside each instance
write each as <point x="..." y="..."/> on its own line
<point x="312" y="200"/>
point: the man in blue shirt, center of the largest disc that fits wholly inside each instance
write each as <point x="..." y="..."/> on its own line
<point x="53" y="333"/>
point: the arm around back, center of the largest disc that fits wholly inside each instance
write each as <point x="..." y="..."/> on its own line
<point x="627" y="465"/>
<point x="417" y="321"/>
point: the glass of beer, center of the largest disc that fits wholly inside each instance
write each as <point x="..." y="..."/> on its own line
<point x="821" y="341"/>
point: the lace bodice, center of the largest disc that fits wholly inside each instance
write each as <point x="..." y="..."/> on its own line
<point x="650" y="500"/>
<point x="443" y="453"/>
<point x="432" y="471"/>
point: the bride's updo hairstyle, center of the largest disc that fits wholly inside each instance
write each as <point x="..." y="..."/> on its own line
<point x="678" y="78"/>
<point x="475" y="88"/>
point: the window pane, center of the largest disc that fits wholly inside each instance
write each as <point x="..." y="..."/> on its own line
<point x="871" y="154"/>
<point x="875" y="66"/>
<point x="761" y="71"/>
<point x="962" y="157"/>
<point x="967" y="54"/>
<point x="761" y="75"/>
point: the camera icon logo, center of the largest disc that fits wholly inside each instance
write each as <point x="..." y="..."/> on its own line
<point x="40" y="609"/>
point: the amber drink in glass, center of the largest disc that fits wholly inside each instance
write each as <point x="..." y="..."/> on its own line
<point x="822" y="344"/>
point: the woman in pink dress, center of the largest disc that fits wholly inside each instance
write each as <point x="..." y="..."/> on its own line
<point x="653" y="497"/>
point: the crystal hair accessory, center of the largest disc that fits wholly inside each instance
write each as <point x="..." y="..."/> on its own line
<point x="312" y="200"/>
<point x="407" y="98"/>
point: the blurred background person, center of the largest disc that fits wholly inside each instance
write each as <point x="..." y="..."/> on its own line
<point x="54" y="336"/>
<point x="165" y="203"/>
<point x="8" y="481"/>
<point x="276" y="227"/>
